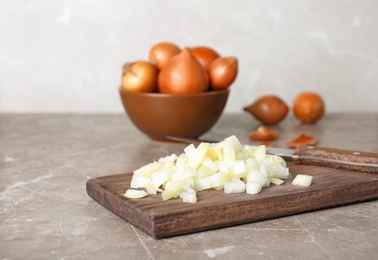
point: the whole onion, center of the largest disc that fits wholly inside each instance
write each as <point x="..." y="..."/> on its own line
<point x="140" y="76"/>
<point x="161" y="53"/>
<point x="223" y="72"/>
<point x="183" y="74"/>
<point x="205" y="55"/>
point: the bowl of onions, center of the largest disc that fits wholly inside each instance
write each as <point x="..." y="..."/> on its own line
<point x="177" y="92"/>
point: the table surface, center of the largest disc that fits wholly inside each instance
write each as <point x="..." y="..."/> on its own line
<point x="45" y="212"/>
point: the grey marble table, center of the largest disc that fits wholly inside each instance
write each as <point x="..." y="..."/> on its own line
<point x="45" y="212"/>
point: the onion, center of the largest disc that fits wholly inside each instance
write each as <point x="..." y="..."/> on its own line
<point x="140" y="76"/>
<point x="223" y="72"/>
<point x="237" y="186"/>
<point x="173" y="190"/>
<point x="204" y="55"/>
<point x="226" y="165"/>
<point x="268" y="109"/>
<point x="162" y="52"/>
<point x="263" y="133"/>
<point x="276" y="181"/>
<point x="189" y="195"/>
<point x="139" y="182"/>
<point x="253" y="187"/>
<point x="302" y="180"/>
<point x="183" y="74"/>
<point x="135" y="194"/>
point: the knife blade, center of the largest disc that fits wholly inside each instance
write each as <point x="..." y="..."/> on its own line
<point x="309" y="155"/>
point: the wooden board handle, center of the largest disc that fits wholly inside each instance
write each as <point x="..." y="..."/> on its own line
<point x="337" y="158"/>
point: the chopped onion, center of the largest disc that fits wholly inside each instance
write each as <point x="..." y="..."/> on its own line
<point x="189" y="195"/>
<point x="276" y="181"/>
<point x="148" y="169"/>
<point x="135" y="194"/>
<point x="302" y="180"/>
<point x="161" y="177"/>
<point x="173" y="190"/>
<point x="237" y="186"/>
<point x="139" y="182"/>
<point x="196" y="155"/>
<point x="253" y="187"/>
<point x="227" y="165"/>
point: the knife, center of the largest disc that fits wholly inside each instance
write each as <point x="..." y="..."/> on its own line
<point x="310" y="155"/>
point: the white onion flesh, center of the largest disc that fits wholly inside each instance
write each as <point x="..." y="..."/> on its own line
<point x="227" y="165"/>
<point x="237" y="186"/>
<point x="135" y="194"/>
<point x="302" y="180"/>
<point x="276" y="181"/>
<point x="253" y="187"/>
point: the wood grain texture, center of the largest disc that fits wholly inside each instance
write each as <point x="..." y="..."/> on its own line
<point x="215" y="209"/>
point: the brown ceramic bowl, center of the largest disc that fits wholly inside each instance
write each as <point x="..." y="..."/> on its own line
<point x="183" y="115"/>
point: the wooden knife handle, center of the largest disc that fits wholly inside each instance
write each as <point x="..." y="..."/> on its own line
<point x="337" y="158"/>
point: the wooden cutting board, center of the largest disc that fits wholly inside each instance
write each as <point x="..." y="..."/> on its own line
<point x="216" y="209"/>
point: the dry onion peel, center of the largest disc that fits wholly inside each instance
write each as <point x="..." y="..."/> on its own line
<point x="303" y="139"/>
<point x="263" y="133"/>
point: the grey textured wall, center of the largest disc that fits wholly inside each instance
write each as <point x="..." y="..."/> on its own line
<point x="66" y="55"/>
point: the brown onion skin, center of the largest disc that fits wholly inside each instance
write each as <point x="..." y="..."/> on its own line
<point x="140" y="76"/>
<point x="268" y="109"/>
<point x="205" y="55"/>
<point x="162" y="52"/>
<point x="263" y="133"/>
<point x="183" y="74"/>
<point x="223" y="72"/>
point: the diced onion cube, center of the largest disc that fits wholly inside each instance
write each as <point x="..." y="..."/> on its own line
<point x="139" y="182"/>
<point x="147" y="170"/>
<point x="196" y="155"/>
<point x="173" y="191"/>
<point x="189" y="195"/>
<point x="276" y="181"/>
<point x="253" y="187"/>
<point x="135" y="194"/>
<point x="234" y="186"/>
<point x="302" y="180"/>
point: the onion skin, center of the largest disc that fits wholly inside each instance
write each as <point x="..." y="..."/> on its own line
<point x="183" y="74"/>
<point x="263" y="133"/>
<point x="223" y="72"/>
<point x="162" y="52"/>
<point x="205" y="55"/>
<point x="303" y="139"/>
<point x="140" y="76"/>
